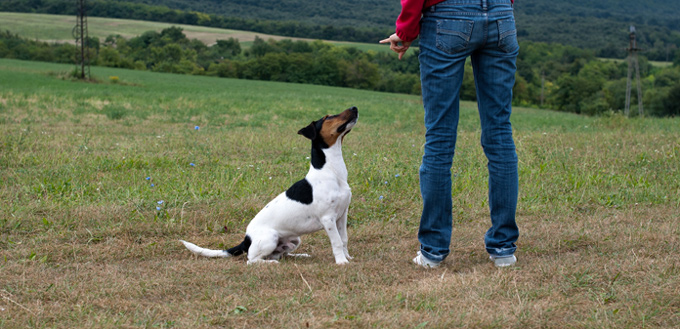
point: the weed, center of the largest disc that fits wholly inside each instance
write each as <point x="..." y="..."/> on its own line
<point x="115" y="112"/>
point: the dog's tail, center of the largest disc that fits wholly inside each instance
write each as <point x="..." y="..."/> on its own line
<point x="235" y="251"/>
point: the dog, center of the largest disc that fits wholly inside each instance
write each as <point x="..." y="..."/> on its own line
<point x="319" y="201"/>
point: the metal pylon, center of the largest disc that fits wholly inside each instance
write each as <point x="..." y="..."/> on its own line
<point x="82" y="44"/>
<point x="633" y="63"/>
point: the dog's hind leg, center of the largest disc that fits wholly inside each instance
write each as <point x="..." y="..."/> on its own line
<point x="263" y="247"/>
<point x="283" y="246"/>
<point x="292" y="244"/>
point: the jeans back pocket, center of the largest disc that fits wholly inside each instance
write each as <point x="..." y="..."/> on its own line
<point x="453" y="35"/>
<point x="507" y="35"/>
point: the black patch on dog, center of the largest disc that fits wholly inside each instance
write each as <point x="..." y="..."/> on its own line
<point x="301" y="192"/>
<point x="241" y="248"/>
<point x="318" y="144"/>
<point x="318" y="157"/>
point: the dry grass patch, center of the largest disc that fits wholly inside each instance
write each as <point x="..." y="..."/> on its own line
<point x="142" y="276"/>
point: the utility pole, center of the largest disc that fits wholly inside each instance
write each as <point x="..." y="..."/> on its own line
<point x="82" y="43"/>
<point x="633" y="63"/>
<point x="542" y="87"/>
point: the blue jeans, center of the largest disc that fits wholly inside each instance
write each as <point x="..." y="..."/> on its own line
<point x="450" y="32"/>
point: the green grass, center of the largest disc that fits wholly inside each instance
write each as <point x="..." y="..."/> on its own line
<point x="58" y="28"/>
<point x="82" y="243"/>
<point x="660" y="64"/>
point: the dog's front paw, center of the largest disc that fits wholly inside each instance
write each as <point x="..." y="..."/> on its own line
<point x="342" y="262"/>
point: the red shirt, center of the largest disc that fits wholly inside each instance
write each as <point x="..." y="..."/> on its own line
<point x="408" y="22"/>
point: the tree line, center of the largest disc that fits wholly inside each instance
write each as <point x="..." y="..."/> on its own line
<point x="598" y="25"/>
<point x="574" y="80"/>
<point x="551" y="76"/>
<point x="158" y="13"/>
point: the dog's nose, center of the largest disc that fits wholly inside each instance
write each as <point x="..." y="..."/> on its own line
<point x="354" y="109"/>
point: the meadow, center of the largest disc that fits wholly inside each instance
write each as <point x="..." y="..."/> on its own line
<point x="100" y="180"/>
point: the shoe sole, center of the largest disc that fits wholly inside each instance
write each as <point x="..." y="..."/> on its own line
<point x="504" y="261"/>
<point x="419" y="260"/>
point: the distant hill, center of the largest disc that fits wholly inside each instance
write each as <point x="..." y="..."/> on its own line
<point x="601" y="25"/>
<point x="382" y="13"/>
<point x="355" y="13"/>
<point x="595" y="24"/>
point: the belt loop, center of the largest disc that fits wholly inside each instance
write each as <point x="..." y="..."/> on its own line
<point x="484" y="5"/>
<point x="432" y="8"/>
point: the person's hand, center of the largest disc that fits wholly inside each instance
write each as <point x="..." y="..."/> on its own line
<point x="394" y="41"/>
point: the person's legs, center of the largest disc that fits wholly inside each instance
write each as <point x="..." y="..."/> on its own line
<point x="444" y="46"/>
<point x="494" y="69"/>
<point x="450" y="33"/>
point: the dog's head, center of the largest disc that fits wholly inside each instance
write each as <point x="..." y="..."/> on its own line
<point x="325" y="132"/>
<point x="328" y="129"/>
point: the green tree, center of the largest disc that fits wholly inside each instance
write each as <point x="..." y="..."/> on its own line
<point x="261" y="47"/>
<point x="654" y="100"/>
<point x="228" y="48"/>
<point x="173" y="34"/>
<point x="672" y="101"/>
<point x="224" y="69"/>
<point x="4" y="50"/>
<point x="361" y="74"/>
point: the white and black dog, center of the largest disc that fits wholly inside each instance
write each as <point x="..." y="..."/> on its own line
<point x="319" y="201"/>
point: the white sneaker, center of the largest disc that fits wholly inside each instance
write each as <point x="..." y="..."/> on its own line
<point x="503" y="261"/>
<point x="424" y="262"/>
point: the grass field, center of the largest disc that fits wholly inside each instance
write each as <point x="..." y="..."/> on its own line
<point x="98" y="185"/>
<point x="58" y="28"/>
<point x="653" y="63"/>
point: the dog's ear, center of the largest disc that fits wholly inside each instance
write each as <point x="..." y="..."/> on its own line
<point x="309" y="131"/>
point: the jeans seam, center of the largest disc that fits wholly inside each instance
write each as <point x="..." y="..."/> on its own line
<point x="474" y="2"/>
<point x="460" y="34"/>
<point x="486" y="29"/>
<point x="461" y="13"/>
